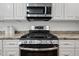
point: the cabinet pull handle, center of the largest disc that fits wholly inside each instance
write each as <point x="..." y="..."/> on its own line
<point x="11" y="55"/>
<point x="66" y="55"/>
<point x="11" y="44"/>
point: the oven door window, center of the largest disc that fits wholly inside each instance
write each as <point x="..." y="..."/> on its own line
<point x="35" y="10"/>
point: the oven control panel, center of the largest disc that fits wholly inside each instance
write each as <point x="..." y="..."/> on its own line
<point x="38" y="42"/>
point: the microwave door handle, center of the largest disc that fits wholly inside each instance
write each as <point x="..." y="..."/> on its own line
<point x="39" y="49"/>
<point x="45" y="10"/>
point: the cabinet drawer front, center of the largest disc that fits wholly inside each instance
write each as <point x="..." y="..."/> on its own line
<point x="11" y="52"/>
<point x="66" y="52"/>
<point x="77" y="43"/>
<point x="10" y="43"/>
<point x="66" y="43"/>
<point x="66" y="49"/>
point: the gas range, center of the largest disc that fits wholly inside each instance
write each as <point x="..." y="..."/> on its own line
<point x="38" y="37"/>
<point x="38" y="41"/>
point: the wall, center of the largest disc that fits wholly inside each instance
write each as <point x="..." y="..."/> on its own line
<point x="54" y="25"/>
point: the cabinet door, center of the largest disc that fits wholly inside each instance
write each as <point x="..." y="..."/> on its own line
<point x="0" y="47"/>
<point x="72" y="10"/>
<point x="11" y="52"/>
<point x="10" y="47"/>
<point x="77" y="52"/>
<point x="66" y="47"/>
<point x="66" y="51"/>
<point x="6" y="11"/>
<point x="20" y="11"/>
<point x="0" y="52"/>
<point x="77" y="48"/>
<point x="58" y="10"/>
<point x="77" y="43"/>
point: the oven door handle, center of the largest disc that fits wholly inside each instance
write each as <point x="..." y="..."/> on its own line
<point x="39" y="49"/>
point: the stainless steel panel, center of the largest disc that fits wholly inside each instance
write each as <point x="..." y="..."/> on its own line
<point x="37" y="49"/>
<point x="39" y="4"/>
<point x="36" y="15"/>
<point x="38" y="42"/>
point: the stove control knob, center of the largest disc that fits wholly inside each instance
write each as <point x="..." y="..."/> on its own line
<point x="55" y="41"/>
<point x="30" y="42"/>
<point x="25" y="42"/>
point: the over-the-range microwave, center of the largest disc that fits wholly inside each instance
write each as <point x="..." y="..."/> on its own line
<point x="39" y="11"/>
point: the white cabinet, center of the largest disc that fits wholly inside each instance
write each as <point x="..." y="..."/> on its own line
<point x="12" y="11"/>
<point x="20" y="11"/>
<point x="6" y="11"/>
<point x="77" y="48"/>
<point x="58" y="11"/>
<point x="11" y="52"/>
<point x="66" y="51"/>
<point x="65" y="11"/>
<point x="77" y="52"/>
<point x="0" y="47"/>
<point x="72" y="11"/>
<point x="66" y="47"/>
<point x="11" y="47"/>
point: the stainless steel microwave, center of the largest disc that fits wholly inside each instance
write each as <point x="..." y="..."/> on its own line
<point x="39" y="11"/>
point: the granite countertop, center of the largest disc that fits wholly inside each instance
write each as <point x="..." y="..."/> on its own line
<point x="66" y="34"/>
<point x="17" y="35"/>
<point x="59" y="34"/>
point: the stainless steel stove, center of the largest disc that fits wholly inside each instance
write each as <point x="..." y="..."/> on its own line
<point x="39" y="42"/>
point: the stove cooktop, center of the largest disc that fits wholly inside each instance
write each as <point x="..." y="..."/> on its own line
<point x="39" y="34"/>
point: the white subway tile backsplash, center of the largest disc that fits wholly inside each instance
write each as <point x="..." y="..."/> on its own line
<point x="54" y="26"/>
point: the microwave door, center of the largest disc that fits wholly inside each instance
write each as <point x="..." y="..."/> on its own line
<point x="35" y="10"/>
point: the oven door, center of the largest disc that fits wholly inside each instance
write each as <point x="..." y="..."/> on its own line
<point x="39" y="51"/>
